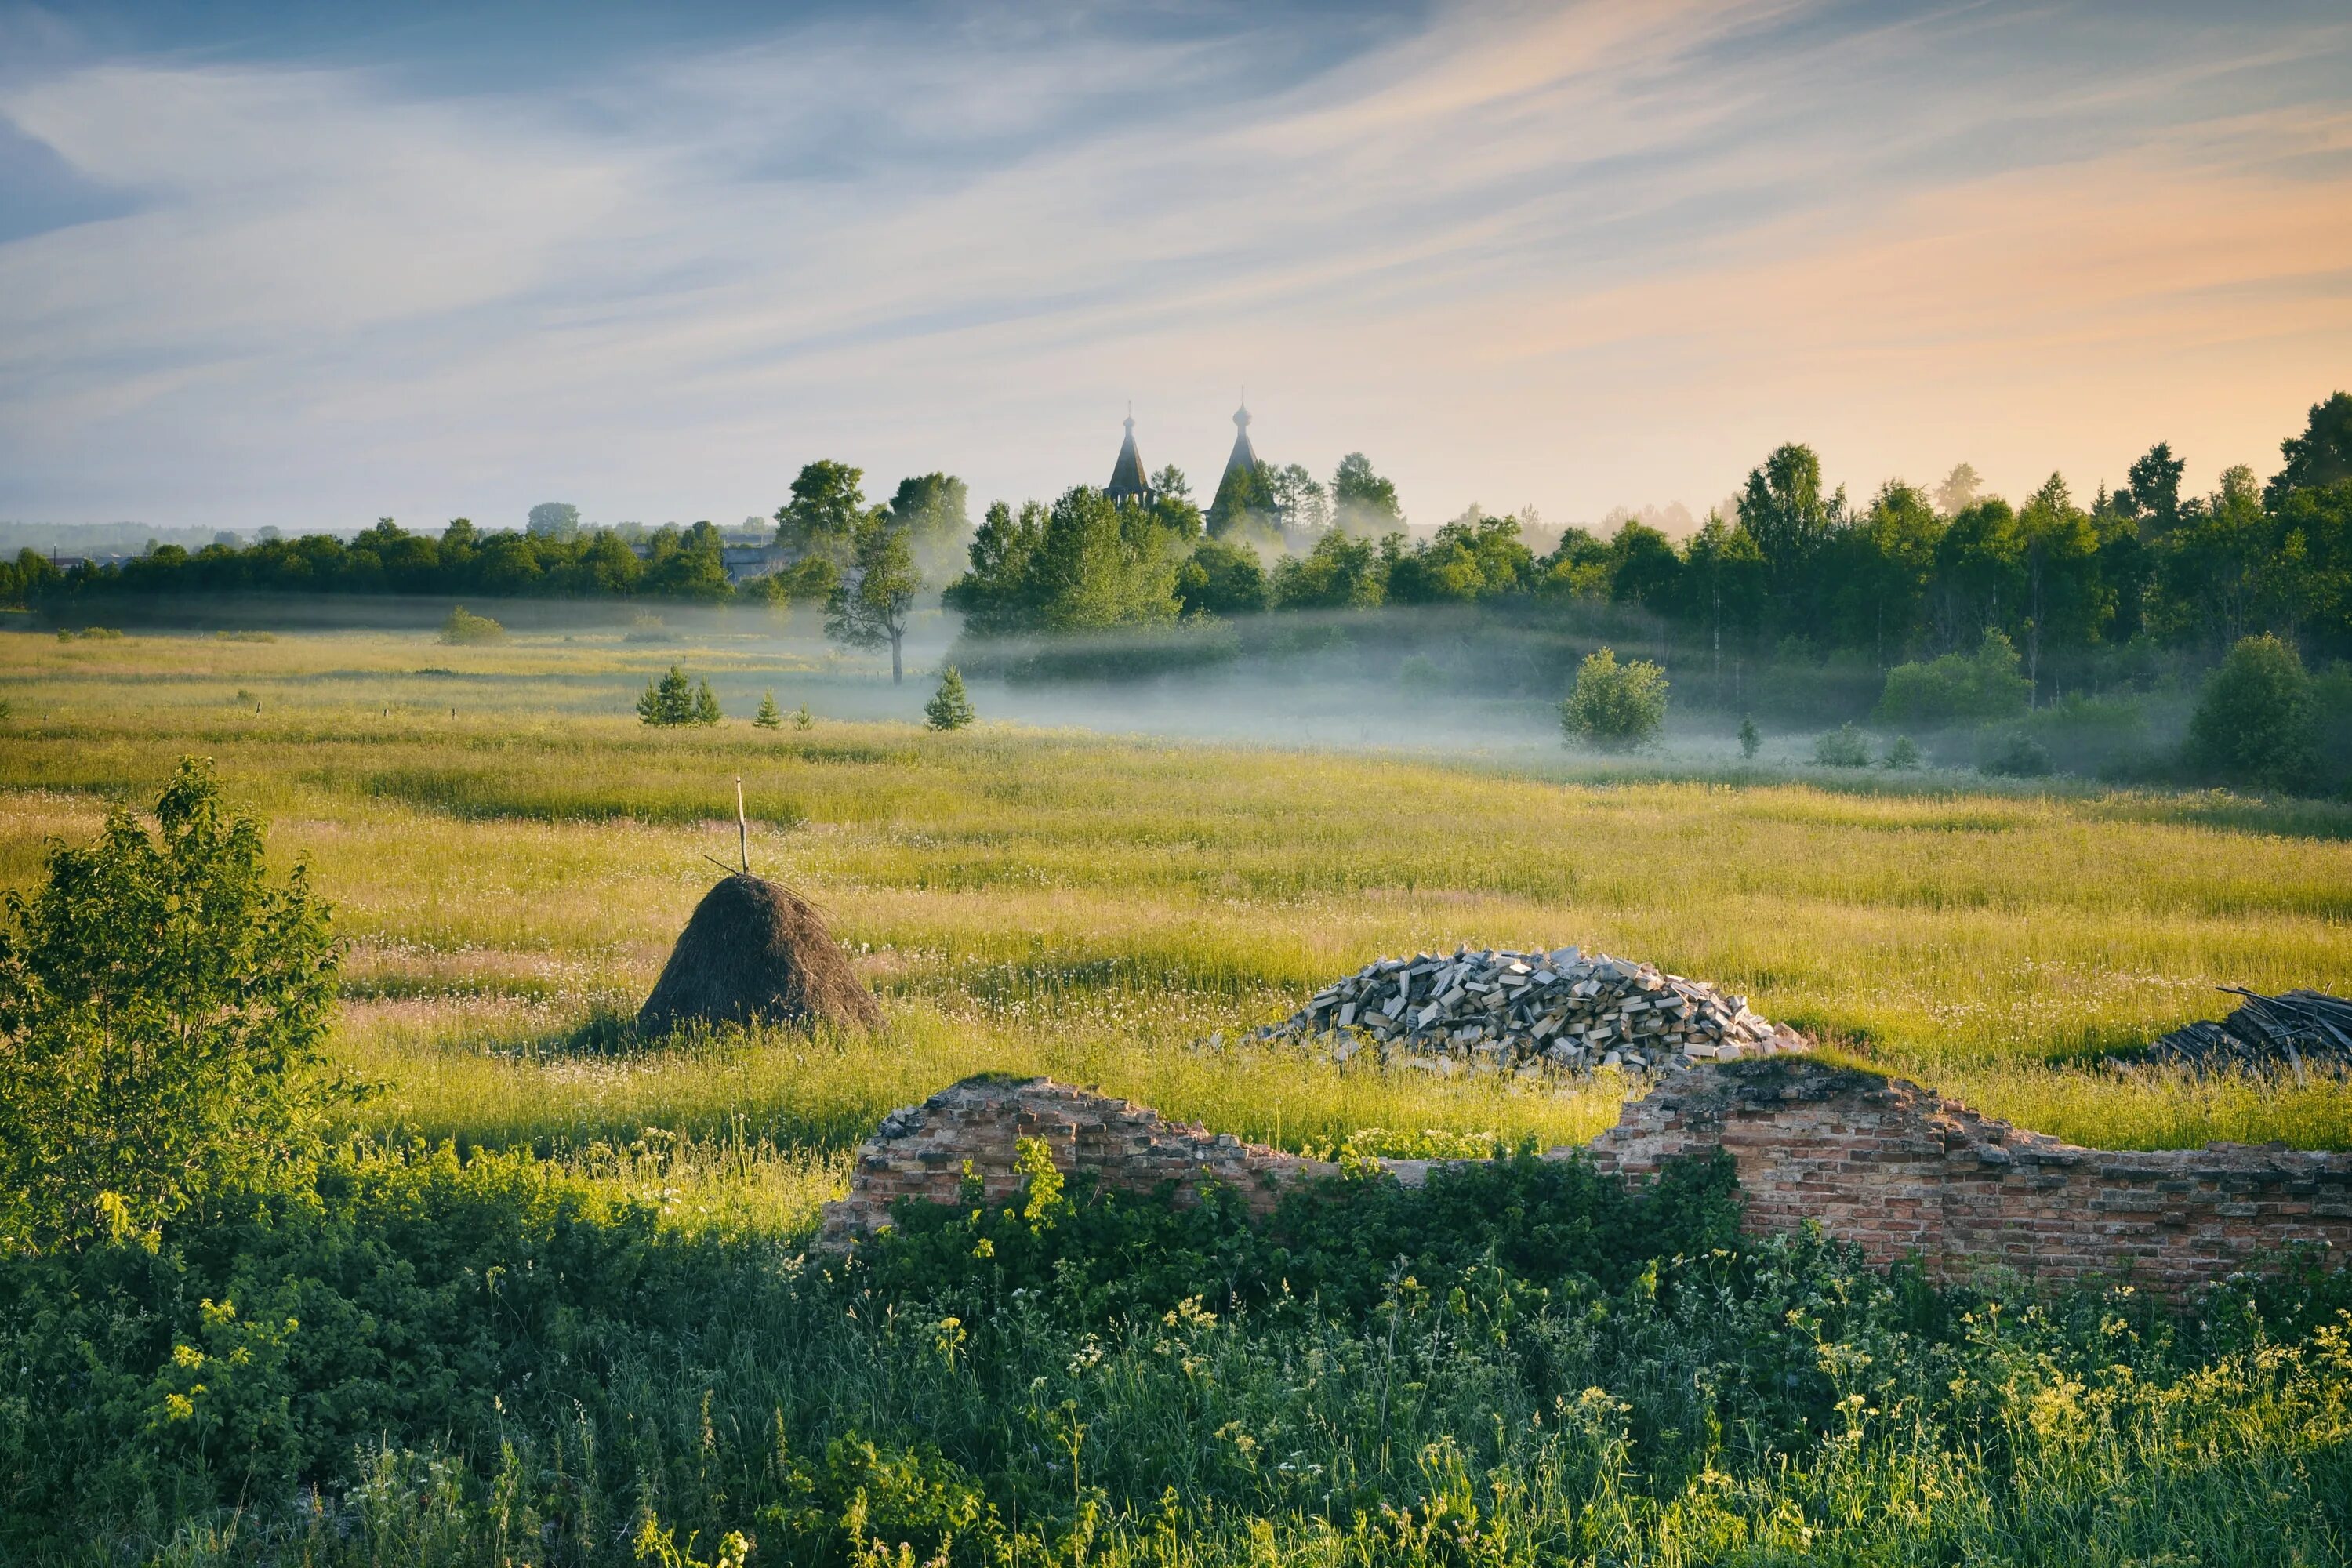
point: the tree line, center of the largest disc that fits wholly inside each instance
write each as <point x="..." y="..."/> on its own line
<point x="1789" y="568"/>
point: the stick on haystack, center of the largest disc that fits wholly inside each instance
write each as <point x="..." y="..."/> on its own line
<point x="756" y="951"/>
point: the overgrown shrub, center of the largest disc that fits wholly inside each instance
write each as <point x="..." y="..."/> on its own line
<point x="1614" y="707"/>
<point x="1987" y="684"/>
<point x="1902" y="755"/>
<point x="2256" y="722"/>
<point x="161" y="1005"/>
<point x="1844" y="747"/>
<point x="465" y="626"/>
<point x="2018" y="755"/>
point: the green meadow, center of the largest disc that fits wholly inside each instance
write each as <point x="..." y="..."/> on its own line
<point x="546" y="1301"/>
<point x="509" y="857"/>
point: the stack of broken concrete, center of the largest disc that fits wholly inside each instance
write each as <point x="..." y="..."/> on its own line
<point x="1529" y="1012"/>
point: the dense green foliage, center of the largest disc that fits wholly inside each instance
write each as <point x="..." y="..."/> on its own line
<point x="464" y="628"/>
<point x="413" y="1358"/>
<point x="1614" y="706"/>
<point x="2254" y="722"/>
<point x="162" y="1009"/>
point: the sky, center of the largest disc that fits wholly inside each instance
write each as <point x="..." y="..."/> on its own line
<point x="305" y="266"/>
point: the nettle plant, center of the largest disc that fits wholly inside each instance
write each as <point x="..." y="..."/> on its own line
<point x="161" y="1006"/>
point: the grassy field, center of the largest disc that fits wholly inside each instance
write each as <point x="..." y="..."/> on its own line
<point x="511" y="857"/>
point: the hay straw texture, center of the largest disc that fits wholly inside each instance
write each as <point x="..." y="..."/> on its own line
<point x="755" y="950"/>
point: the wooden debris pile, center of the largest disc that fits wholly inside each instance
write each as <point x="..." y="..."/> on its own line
<point x="1530" y="1011"/>
<point x="2298" y="1031"/>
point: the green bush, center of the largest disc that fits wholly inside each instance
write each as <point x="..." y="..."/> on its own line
<point x="1844" y="747"/>
<point x="1615" y="707"/>
<point x="1903" y="755"/>
<point x="465" y="626"/>
<point x="1751" y="740"/>
<point x="2256" y="722"/>
<point x="161" y="1006"/>
<point x="1987" y="684"/>
<point x="2019" y="755"/>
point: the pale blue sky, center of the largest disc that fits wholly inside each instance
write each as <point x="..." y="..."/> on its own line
<point x="294" y="265"/>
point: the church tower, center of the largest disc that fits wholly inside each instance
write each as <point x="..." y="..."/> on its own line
<point x="1245" y="455"/>
<point x="1126" y="480"/>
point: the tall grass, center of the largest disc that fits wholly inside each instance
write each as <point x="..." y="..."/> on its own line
<point x="1095" y="907"/>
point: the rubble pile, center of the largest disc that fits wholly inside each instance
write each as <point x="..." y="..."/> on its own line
<point x="2301" y="1029"/>
<point x="1524" y="1011"/>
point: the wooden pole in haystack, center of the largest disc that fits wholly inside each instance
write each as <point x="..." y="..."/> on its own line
<point x="742" y="828"/>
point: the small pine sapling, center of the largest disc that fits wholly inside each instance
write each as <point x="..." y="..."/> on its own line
<point x="705" y="703"/>
<point x="802" y="719"/>
<point x="768" y="717"/>
<point x="1751" y="740"/>
<point x="949" y="709"/>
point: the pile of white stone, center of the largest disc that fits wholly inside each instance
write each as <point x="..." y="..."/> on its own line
<point x="1531" y="1011"/>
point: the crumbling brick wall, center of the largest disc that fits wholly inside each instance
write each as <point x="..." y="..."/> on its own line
<point x="1904" y="1172"/>
<point x="921" y="1151"/>
<point x="1873" y="1160"/>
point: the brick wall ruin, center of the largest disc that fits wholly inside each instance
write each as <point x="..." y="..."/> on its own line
<point x="920" y="1152"/>
<point x="1873" y="1160"/>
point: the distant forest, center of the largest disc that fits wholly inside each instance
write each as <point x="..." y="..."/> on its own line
<point x="2068" y="581"/>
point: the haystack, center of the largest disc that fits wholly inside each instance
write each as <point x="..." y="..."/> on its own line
<point x="756" y="951"/>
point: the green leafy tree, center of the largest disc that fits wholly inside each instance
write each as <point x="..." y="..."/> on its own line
<point x="2152" y="489"/>
<point x="1985" y="684"/>
<point x="1342" y="572"/>
<point x="2067" y="606"/>
<point x="1783" y="510"/>
<point x="1245" y="503"/>
<point x="1579" y="567"/>
<point x="2254" y="722"/>
<point x="872" y="609"/>
<point x="1902" y="755"/>
<point x="1222" y="577"/>
<point x="162" y="1007"/>
<point x="1959" y="490"/>
<point x="1751" y="740"/>
<point x="2322" y="455"/>
<point x="1473" y="557"/>
<point x="1979" y="578"/>
<point x="769" y="717"/>
<point x="935" y="513"/>
<point x="1362" y="502"/>
<point x="555" y="520"/>
<point x="817" y="529"/>
<point x="1644" y="569"/>
<point x="1303" y="503"/>
<point x="688" y="563"/>
<point x="949" y="707"/>
<point x="1614" y="707"/>
<point x="1844" y="747"/>
<point x="1098" y="565"/>
<point x="1881" y="565"/>
<point x="997" y="596"/>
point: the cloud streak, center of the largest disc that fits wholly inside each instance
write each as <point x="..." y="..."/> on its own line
<point x="1575" y="257"/>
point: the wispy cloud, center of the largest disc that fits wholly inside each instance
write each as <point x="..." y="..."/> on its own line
<point x="1575" y="256"/>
